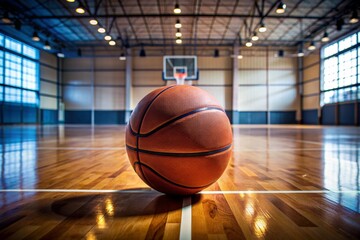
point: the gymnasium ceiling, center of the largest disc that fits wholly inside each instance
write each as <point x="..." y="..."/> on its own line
<point x="135" y="23"/>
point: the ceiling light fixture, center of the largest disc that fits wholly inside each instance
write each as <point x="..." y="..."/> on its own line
<point x="17" y="24"/>
<point x="122" y="57"/>
<point x="142" y="52"/>
<point x="112" y="43"/>
<point x="325" y="38"/>
<point x="178" y="24"/>
<point x="354" y="17"/>
<point x="35" y="37"/>
<point x="107" y="37"/>
<point x="312" y="46"/>
<point x="6" y="18"/>
<point x="79" y="53"/>
<point x="255" y="37"/>
<point x="178" y="33"/>
<point x="71" y="1"/>
<point x="300" y="53"/>
<point x="240" y="56"/>
<point x="93" y="22"/>
<point x="262" y="27"/>
<point x="47" y="45"/>
<point x="178" y="40"/>
<point x="101" y="30"/>
<point x="281" y="8"/>
<point x="248" y="43"/>
<point x="80" y="9"/>
<point x="60" y="54"/>
<point x="177" y="9"/>
<point x="339" y="24"/>
<point x="280" y="53"/>
<point x="216" y="53"/>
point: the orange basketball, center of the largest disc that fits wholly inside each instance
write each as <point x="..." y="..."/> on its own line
<point x="179" y="139"/>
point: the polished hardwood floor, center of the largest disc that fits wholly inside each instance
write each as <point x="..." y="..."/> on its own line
<point x="283" y="182"/>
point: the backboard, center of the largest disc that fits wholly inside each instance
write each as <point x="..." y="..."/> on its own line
<point x="180" y="68"/>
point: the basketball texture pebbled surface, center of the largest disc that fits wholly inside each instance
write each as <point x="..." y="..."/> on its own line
<point x="179" y="139"/>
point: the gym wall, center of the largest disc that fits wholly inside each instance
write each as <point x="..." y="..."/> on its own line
<point x="50" y="91"/>
<point x="311" y="89"/>
<point x="94" y="90"/>
<point x="268" y="89"/>
<point x="94" y="87"/>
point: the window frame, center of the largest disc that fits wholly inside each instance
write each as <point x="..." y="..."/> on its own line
<point x="354" y="95"/>
<point x="23" y="87"/>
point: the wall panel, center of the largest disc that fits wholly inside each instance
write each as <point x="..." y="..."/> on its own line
<point x="109" y="98"/>
<point x="282" y="98"/>
<point x="77" y="97"/>
<point x="252" y="98"/>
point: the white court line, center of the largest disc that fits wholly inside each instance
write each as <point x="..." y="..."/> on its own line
<point x="202" y="192"/>
<point x="185" y="226"/>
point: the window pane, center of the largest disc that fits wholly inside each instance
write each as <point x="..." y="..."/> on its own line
<point x="12" y="44"/>
<point x="1" y="40"/>
<point x="329" y="97"/>
<point x="340" y="72"/>
<point x="12" y="70"/>
<point x="12" y="95"/>
<point x="30" y="52"/>
<point x="347" y="42"/>
<point x="1" y="93"/>
<point x="1" y="67"/>
<point x="29" y="75"/>
<point x="29" y="97"/>
<point x="330" y="50"/>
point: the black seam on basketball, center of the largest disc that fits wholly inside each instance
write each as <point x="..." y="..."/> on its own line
<point x="169" y="181"/>
<point x="141" y="121"/>
<point x="172" y="154"/>
<point x="138" y="134"/>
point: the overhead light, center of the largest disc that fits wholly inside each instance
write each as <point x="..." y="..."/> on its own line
<point x="122" y="57"/>
<point x="79" y="53"/>
<point x="93" y="22"/>
<point x="142" y="52"/>
<point x="248" y="43"/>
<point x="255" y="37"/>
<point x="178" y="40"/>
<point x="281" y="8"/>
<point x="70" y="1"/>
<point x="177" y="9"/>
<point x="216" y="53"/>
<point x="101" y="30"/>
<point x="112" y="43"/>
<point x="17" y="24"/>
<point x="35" y="37"/>
<point x="47" y="45"/>
<point x="240" y="56"/>
<point x="80" y="9"/>
<point x="178" y="24"/>
<point x="325" y="38"/>
<point x="6" y="18"/>
<point x="178" y="33"/>
<point x="280" y="53"/>
<point x="262" y="28"/>
<point x="354" y="17"/>
<point x="60" y="54"/>
<point x="300" y="53"/>
<point x="107" y="37"/>
<point x="339" y="24"/>
<point x="312" y="46"/>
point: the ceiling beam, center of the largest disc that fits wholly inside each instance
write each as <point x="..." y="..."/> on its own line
<point x="151" y="15"/>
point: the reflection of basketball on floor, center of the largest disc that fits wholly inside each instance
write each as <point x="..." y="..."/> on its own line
<point x="179" y="139"/>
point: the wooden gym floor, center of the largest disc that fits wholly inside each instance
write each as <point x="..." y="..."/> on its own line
<point x="283" y="182"/>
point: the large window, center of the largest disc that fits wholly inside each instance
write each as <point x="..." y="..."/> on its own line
<point x="340" y="70"/>
<point x="19" y="80"/>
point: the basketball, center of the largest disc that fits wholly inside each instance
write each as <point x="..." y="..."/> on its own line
<point x="179" y="139"/>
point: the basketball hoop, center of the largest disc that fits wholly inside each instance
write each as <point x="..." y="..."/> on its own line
<point x="180" y="78"/>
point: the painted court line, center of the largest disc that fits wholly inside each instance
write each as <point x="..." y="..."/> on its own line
<point x="185" y="226"/>
<point x="80" y="148"/>
<point x="202" y="192"/>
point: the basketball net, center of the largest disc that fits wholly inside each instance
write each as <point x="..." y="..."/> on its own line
<point x="180" y="78"/>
